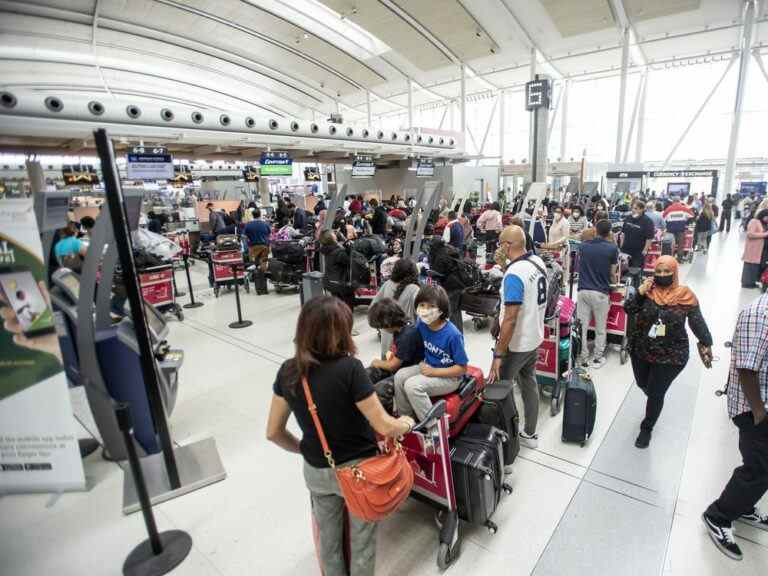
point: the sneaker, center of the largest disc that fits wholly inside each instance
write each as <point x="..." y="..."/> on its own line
<point x="509" y="470"/>
<point x="756" y="519"/>
<point x="598" y="362"/>
<point x="531" y="441"/>
<point x="584" y="361"/>
<point x="722" y="536"/>
<point x="643" y="439"/>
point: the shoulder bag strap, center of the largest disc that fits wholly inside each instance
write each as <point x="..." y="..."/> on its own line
<point x="316" y="419"/>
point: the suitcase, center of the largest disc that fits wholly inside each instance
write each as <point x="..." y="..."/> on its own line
<point x="226" y="242"/>
<point x="498" y="409"/>
<point x="579" y="407"/>
<point x="668" y="245"/>
<point x="477" y="465"/>
<point x="311" y="286"/>
<point x="259" y="279"/>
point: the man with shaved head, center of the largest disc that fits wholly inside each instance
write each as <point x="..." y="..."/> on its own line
<point x="521" y="322"/>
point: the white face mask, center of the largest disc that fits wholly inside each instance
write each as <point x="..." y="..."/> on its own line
<point x="428" y="315"/>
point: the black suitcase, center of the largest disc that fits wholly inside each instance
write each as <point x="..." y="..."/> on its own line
<point x="498" y="409"/>
<point x="259" y="279"/>
<point x="477" y="464"/>
<point x="579" y="408"/>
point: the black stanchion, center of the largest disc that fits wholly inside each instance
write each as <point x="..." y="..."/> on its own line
<point x="176" y="292"/>
<point x="161" y="552"/>
<point x="191" y="303"/>
<point x="240" y="322"/>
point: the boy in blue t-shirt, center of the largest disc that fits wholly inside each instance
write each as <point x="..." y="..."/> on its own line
<point x="445" y="360"/>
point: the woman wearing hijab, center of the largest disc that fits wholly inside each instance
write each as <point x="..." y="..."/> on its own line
<point x="659" y="340"/>
<point x="757" y="232"/>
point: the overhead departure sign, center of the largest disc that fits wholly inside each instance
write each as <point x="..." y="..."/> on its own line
<point x="363" y="166"/>
<point x="79" y="175"/>
<point x="149" y="163"/>
<point x="276" y="164"/>
<point x="538" y="94"/>
<point x="425" y="168"/>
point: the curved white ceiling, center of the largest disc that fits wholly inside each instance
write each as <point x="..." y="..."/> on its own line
<point x="301" y="58"/>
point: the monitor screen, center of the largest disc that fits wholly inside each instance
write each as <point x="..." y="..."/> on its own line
<point x="678" y="188"/>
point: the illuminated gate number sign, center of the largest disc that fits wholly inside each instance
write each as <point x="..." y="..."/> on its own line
<point x="537" y="94"/>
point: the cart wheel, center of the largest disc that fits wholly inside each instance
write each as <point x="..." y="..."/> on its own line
<point x="216" y="291"/>
<point x="492" y="528"/>
<point x="179" y="314"/>
<point x="247" y="286"/>
<point x="477" y="323"/>
<point x="507" y="488"/>
<point x="444" y="556"/>
<point x="583" y="444"/>
<point x="623" y="355"/>
<point x="554" y="406"/>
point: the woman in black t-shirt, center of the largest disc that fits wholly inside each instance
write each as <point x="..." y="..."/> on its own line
<point x="349" y="412"/>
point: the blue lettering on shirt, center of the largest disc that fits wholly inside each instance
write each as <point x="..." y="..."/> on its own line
<point x="443" y="348"/>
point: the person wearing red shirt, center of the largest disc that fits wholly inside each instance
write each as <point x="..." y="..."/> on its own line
<point x="677" y="215"/>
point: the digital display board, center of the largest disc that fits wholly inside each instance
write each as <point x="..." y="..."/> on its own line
<point x="276" y="164"/>
<point x="425" y="168"/>
<point x="538" y="94"/>
<point x="363" y="166"/>
<point x="79" y="174"/>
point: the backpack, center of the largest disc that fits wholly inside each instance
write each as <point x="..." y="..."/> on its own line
<point x="359" y="272"/>
<point x="554" y="275"/>
<point x="468" y="273"/>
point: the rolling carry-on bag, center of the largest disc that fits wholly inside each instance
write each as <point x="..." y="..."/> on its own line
<point x="579" y="408"/>
<point x="478" y="473"/>
<point x="498" y="409"/>
<point x="259" y="279"/>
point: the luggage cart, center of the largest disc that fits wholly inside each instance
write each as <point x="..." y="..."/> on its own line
<point x="221" y="263"/>
<point x="157" y="289"/>
<point x="428" y="449"/>
<point x="364" y="295"/>
<point x="688" y="245"/>
<point x="554" y="354"/>
<point x="617" y="321"/>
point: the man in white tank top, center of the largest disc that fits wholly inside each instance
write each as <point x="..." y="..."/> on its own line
<point x="521" y="322"/>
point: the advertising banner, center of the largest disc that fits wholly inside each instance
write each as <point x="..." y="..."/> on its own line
<point x="363" y="166"/>
<point x="38" y="445"/>
<point x="276" y="164"/>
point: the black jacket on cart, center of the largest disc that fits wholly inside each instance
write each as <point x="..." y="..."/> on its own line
<point x="336" y="275"/>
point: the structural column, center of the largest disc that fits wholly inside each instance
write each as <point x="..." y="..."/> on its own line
<point x="564" y="121"/>
<point x="368" y="107"/>
<point x="502" y="120"/>
<point x="410" y="104"/>
<point x="463" y="106"/>
<point x="622" y="94"/>
<point x="748" y="21"/>
<point x="641" y="118"/>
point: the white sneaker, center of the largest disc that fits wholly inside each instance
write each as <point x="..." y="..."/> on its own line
<point x="531" y="441"/>
<point x="598" y="362"/>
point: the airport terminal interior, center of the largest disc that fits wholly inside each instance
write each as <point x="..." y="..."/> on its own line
<point x="391" y="287"/>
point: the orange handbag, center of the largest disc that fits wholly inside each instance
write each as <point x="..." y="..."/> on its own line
<point x="375" y="487"/>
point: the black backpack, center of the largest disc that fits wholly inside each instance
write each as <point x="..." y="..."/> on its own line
<point x="359" y="272"/>
<point x="468" y="273"/>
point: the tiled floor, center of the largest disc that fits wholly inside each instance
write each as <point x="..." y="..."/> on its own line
<point x="601" y="509"/>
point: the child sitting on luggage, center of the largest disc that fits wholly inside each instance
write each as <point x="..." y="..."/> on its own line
<point x="445" y="360"/>
<point x="407" y="349"/>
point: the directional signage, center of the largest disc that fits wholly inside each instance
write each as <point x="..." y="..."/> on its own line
<point x="149" y="163"/>
<point x="363" y="166"/>
<point x="276" y="164"/>
<point x="425" y="168"/>
<point x="683" y="174"/>
<point x="538" y="94"/>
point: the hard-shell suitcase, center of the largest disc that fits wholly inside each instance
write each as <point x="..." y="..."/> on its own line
<point x="498" y="409"/>
<point x="226" y="242"/>
<point x="478" y="473"/>
<point x="579" y="407"/>
<point x="259" y="279"/>
<point x="311" y="286"/>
